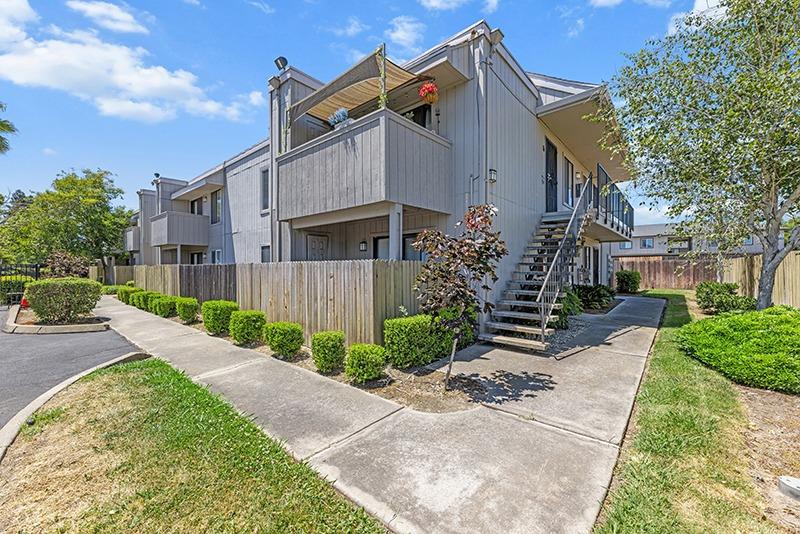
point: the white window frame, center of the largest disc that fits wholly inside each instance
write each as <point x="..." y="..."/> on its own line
<point x="216" y="256"/>
<point x="265" y="184"/>
<point x="221" y="203"/>
<point x="269" y="253"/>
<point x="625" y="245"/>
<point x="644" y="246"/>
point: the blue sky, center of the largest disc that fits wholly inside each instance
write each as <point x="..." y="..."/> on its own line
<point x="176" y="86"/>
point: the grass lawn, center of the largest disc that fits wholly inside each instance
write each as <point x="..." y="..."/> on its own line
<point x="684" y="469"/>
<point x="140" y="448"/>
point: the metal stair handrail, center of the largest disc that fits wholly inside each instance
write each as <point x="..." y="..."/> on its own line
<point x="546" y="306"/>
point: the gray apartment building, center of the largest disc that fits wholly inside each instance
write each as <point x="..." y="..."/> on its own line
<point x="662" y="240"/>
<point x="496" y="133"/>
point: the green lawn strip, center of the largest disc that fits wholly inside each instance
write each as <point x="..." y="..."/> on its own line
<point x="196" y="465"/>
<point x="685" y="469"/>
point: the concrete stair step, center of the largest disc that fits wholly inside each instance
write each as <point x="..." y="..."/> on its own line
<point x="528" y="292"/>
<point x="520" y="342"/>
<point x="522" y="329"/>
<point x="510" y="314"/>
<point x="524" y="304"/>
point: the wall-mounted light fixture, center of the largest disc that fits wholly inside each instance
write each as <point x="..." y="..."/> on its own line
<point x="281" y="62"/>
<point x="492" y="176"/>
<point x="362" y="246"/>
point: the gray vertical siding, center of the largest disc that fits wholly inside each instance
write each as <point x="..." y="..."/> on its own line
<point x="248" y="228"/>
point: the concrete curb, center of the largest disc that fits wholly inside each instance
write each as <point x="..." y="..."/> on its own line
<point x="10" y="430"/>
<point x="11" y="327"/>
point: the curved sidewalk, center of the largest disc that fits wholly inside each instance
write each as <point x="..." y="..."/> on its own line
<point x="480" y="470"/>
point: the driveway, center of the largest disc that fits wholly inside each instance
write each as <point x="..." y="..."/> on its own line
<point x="32" y="364"/>
<point x="536" y="455"/>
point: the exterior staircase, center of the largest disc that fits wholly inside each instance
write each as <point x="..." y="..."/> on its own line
<point x="532" y="296"/>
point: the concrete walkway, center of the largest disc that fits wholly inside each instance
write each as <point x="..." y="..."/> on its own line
<point x="536" y="463"/>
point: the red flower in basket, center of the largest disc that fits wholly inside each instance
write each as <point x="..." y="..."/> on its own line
<point x="429" y="92"/>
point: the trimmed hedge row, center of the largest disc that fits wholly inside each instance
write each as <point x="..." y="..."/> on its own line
<point x="217" y="315"/>
<point x="247" y="326"/>
<point x="124" y="293"/>
<point x="628" y="281"/>
<point x="187" y="309"/>
<point x="328" y="350"/>
<point x="284" y="339"/>
<point x="365" y="362"/>
<point x="62" y="300"/>
<point x="163" y="306"/>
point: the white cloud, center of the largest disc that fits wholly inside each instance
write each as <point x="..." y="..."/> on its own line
<point x="195" y="3"/>
<point x="576" y="28"/>
<point x="656" y="3"/>
<point x="605" y="3"/>
<point x="47" y="151"/>
<point x="406" y="32"/>
<point x="707" y="8"/>
<point x="116" y="79"/>
<point x="490" y="6"/>
<point x="109" y="16"/>
<point x="14" y="14"/>
<point x="443" y="5"/>
<point x="262" y="6"/>
<point x="256" y="99"/>
<point x="350" y="55"/>
<point x="353" y="28"/>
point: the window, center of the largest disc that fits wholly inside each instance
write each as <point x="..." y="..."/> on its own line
<point x="625" y="245"/>
<point x="196" y="206"/>
<point x="380" y="248"/>
<point x="748" y="241"/>
<point x="647" y="242"/>
<point x="196" y="258"/>
<point x="216" y="206"/>
<point x="265" y="255"/>
<point x="420" y="114"/>
<point x="216" y="256"/>
<point x="264" y="189"/>
<point x="568" y="183"/>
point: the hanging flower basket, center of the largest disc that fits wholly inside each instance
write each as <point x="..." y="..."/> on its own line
<point x="429" y="92"/>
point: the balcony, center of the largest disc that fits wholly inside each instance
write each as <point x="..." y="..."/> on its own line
<point x="132" y="239"/>
<point x="381" y="157"/>
<point x="179" y="228"/>
<point x="610" y="214"/>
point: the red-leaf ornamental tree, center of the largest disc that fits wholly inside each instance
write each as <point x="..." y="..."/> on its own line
<point x="457" y="269"/>
<point x="708" y="119"/>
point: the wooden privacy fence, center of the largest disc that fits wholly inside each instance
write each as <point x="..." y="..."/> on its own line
<point x="119" y="274"/>
<point x="668" y="273"/>
<point x="746" y="272"/>
<point x="354" y="296"/>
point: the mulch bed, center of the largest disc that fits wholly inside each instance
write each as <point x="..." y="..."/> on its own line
<point x="28" y="318"/>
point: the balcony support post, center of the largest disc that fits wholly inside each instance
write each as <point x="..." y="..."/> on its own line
<point x="396" y="232"/>
<point x="178" y="253"/>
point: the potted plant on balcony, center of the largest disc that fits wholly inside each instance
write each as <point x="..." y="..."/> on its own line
<point x="339" y="118"/>
<point x="429" y="92"/>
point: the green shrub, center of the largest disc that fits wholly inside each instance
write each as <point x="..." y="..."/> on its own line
<point x="570" y="305"/>
<point x="163" y="306"/>
<point x="284" y="339"/>
<point x="12" y="284"/>
<point x="596" y="297"/>
<point x="217" y="315"/>
<point x="142" y="299"/>
<point x="124" y="293"/>
<point x="365" y="362"/>
<point x="187" y="308"/>
<point x="328" y="351"/>
<point x="468" y="328"/>
<point x="62" y="300"/>
<point x="130" y="283"/>
<point x="110" y="290"/>
<point x="246" y="326"/>
<point x="759" y="348"/>
<point x="415" y="340"/>
<point x="719" y="297"/>
<point x="628" y="281"/>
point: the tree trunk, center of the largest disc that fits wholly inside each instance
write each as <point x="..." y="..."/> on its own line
<point x="771" y="260"/>
<point x="450" y="365"/>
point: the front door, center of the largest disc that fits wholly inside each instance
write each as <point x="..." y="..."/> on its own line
<point x="551" y="176"/>
<point x="317" y="247"/>
<point x="596" y="266"/>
